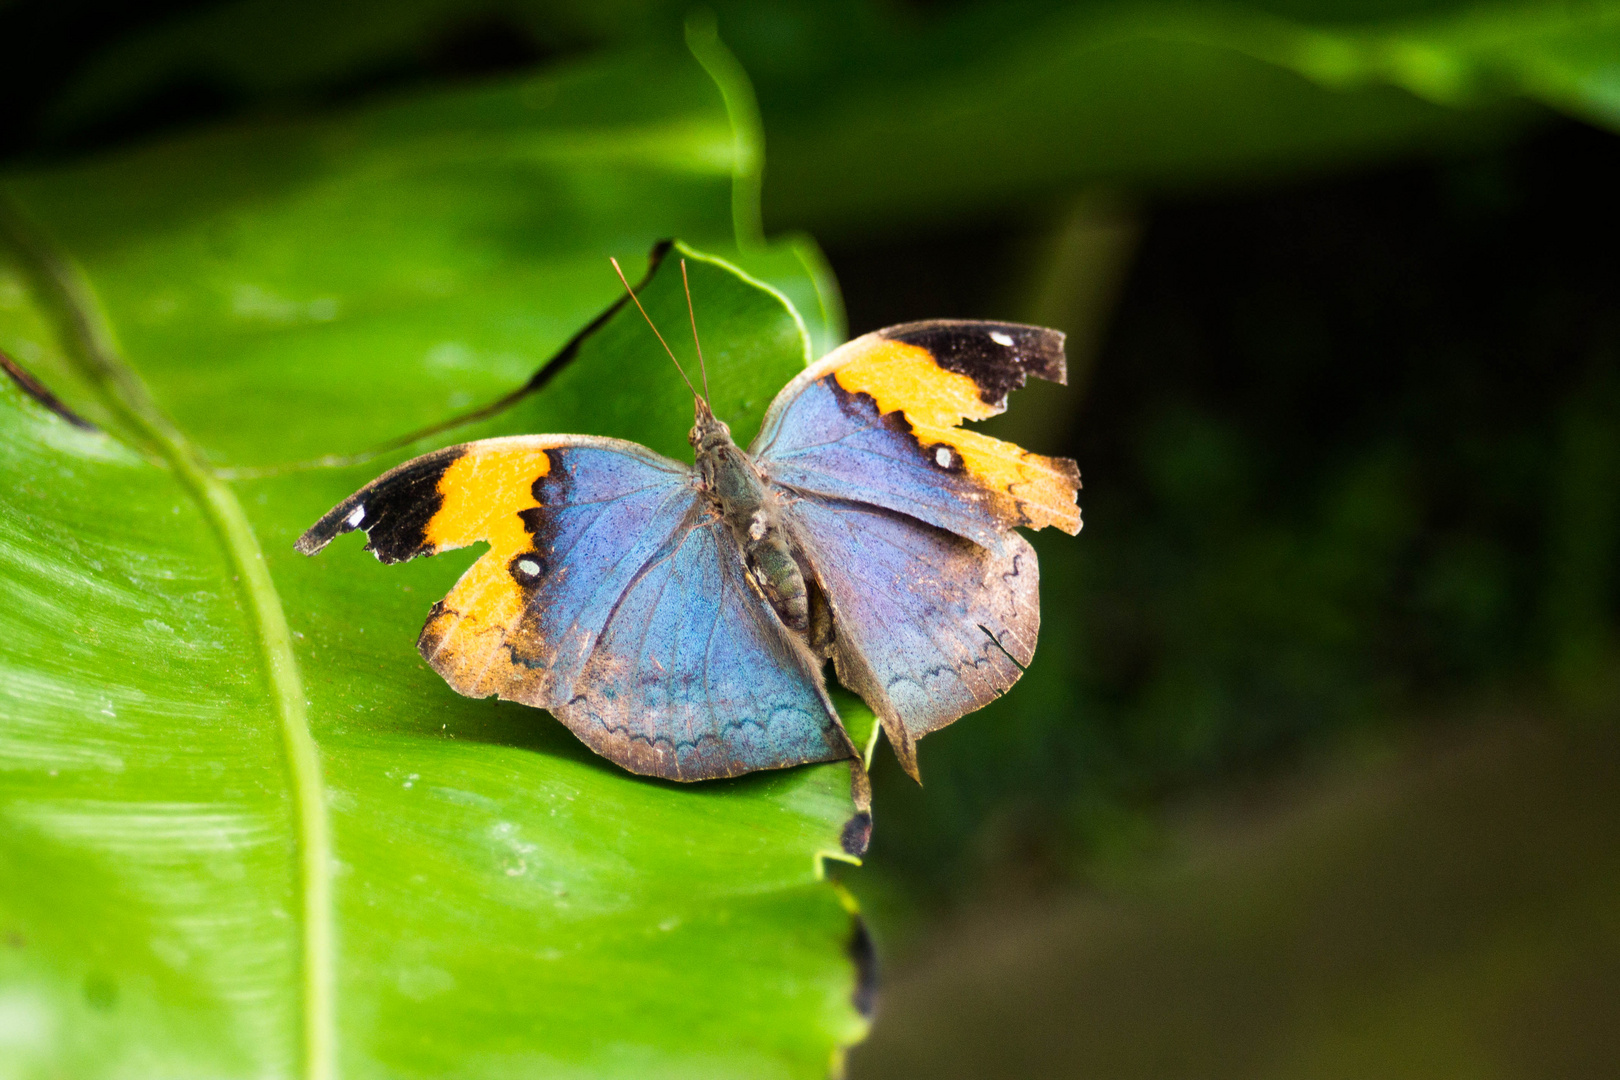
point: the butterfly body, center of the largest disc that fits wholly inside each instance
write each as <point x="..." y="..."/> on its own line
<point x="744" y="500"/>
<point x="678" y="617"/>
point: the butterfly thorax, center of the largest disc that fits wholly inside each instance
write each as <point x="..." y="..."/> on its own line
<point x="746" y="502"/>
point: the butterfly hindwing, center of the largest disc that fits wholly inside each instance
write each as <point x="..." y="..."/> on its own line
<point x="558" y="613"/>
<point x="929" y="625"/>
<point x="696" y="677"/>
<point x="878" y="420"/>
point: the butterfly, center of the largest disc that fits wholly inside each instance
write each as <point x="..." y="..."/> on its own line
<point x="678" y="617"/>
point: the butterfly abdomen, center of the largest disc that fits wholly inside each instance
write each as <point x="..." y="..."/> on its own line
<point x="746" y="503"/>
<point x="776" y="571"/>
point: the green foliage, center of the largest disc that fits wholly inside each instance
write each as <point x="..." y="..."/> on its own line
<point x="877" y="115"/>
<point x="1001" y="102"/>
<point x="445" y="887"/>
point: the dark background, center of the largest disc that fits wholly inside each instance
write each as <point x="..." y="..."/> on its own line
<point x="1315" y="772"/>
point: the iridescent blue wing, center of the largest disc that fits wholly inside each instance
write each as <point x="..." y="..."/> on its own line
<point x="607" y="597"/>
<point x="908" y="519"/>
<point x="694" y="675"/>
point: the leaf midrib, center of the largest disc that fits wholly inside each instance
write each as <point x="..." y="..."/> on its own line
<point x="95" y="351"/>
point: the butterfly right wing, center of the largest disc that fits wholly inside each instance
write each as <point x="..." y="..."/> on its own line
<point x="910" y="520"/>
<point x="607" y="596"/>
<point x="878" y="420"/>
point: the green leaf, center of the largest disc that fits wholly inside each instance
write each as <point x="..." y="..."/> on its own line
<point x="244" y="831"/>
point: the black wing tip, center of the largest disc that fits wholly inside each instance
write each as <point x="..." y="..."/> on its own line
<point x="333" y="524"/>
<point x="311" y="543"/>
<point x="1044" y="349"/>
<point x="999" y="356"/>
<point x="394" y="510"/>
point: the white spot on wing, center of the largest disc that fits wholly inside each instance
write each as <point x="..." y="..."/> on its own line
<point x="943" y="457"/>
<point x="528" y="567"/>
<point x="1001" y="339"/>
<point x="353" y="520"/>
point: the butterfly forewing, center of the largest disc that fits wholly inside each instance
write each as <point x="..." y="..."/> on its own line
<point x="879" y="420"/>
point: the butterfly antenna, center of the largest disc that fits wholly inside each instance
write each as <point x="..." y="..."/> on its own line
<point x="692" y="312"/>
<point x="637" y="300"/>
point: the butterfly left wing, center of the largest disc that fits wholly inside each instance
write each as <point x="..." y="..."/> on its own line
<point x="573" y="607"/>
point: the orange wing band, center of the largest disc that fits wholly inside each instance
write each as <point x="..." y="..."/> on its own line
<point x="905" y="378"/>
<point x="484" y="493"/>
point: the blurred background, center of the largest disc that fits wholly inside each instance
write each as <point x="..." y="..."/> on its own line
<point x="1317" y="771"/>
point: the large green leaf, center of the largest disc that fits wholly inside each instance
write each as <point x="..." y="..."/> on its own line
<point x="244" y="831"/>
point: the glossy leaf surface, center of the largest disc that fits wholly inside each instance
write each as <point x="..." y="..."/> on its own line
<point x="446" y="886"/>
